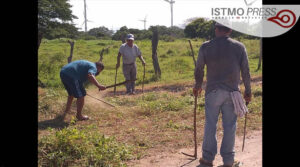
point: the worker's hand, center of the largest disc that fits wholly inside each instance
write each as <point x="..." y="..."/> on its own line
<point x="101" y="87"/>
<point x="117" y="65"/>
<point x="144" y="63"/>
<point x="247" y="98"/>
<point x="197" y="91"/>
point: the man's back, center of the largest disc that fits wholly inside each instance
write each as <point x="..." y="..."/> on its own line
<point x="79" y="69"/>
<point x="224" y="58"/>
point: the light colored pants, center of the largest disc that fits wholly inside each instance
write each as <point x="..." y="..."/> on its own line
<point x="129" y="71"/>
<point x="217" y="101"/>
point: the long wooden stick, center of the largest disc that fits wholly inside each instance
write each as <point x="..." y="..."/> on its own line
<point x="121" y="83"/>
<point x="115" y="88"/>
<point x="245" y="125"/>
<point x="143" y="80"/>
<point x="101" y="100"/>
<point x="195" y="131"/>
<point x="195" y="127"/>
<point x="192" y="52"/>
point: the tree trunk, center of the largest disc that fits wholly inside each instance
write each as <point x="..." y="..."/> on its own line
<point x="154" y="53"/>
<point x="102" y="51"/>
<point x="101" y="55"/>
<point x="260" y="56"/>
<point x="123" y="40"/>
<point x="71" y="51"/>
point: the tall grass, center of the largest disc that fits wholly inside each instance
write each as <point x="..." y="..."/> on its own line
<point x="175" y="59"/>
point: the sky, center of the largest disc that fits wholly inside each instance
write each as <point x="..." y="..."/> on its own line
<point x="114" y="14"/>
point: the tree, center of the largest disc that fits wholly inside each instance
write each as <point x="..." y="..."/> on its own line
<point x="71" y="51"/>
<point x="201" y="28"/>
<point x="154" y="51"/>
<point x="204" y="28"/>
<point x="100" y="32"/>
<point x="55" y="20"/>
<point x="138" y="34"/>
<point x="176" y="32"/>
<point x="121" y="34"/>
<point x="260" y="55"/>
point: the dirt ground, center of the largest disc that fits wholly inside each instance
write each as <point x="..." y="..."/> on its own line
<point x="250" y="157"/>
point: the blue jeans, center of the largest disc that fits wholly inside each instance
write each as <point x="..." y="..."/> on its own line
<point x="217" y="101"/>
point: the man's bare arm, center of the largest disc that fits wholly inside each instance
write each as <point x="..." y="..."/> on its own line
<point x="118" y="60"/>
<point x="245" y="72"/>
<point x="142" y="59"/>
<point x="93" y="80"/>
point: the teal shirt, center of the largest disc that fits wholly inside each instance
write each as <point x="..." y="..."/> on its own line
<point x="79" y="69"/>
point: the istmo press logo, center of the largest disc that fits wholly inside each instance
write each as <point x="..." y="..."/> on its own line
<point x="256" y="19"/>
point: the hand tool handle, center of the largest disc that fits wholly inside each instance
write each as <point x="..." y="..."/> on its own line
<point x="115" y="88"/>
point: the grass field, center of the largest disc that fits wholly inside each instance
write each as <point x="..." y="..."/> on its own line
<point x="140" y="125"/>
<point x="175" y="59"/>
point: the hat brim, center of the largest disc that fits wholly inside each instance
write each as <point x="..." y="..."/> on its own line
<point x="130" y="39"/>
<point x="219" y="25"/>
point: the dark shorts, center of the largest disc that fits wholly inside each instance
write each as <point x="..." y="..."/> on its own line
<point x="74" y="87"/>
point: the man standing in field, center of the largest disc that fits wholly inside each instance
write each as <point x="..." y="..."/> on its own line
<point x="225" y="58"/>
<point x="129" y="51"/>
<point x="73" y="75"/>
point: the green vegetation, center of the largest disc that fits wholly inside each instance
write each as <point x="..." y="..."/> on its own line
<point x="54" y="18"/>
<point x="81" y="147"/>
<point x="175" y="59"/>
<point x="204" y="28"/>
<point x="159" y="120"/>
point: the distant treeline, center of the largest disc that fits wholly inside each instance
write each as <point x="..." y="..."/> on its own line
<point x="55" y="20"/>
<point x="198" y="28"/>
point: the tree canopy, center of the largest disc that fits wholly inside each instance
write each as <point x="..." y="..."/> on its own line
<point x="200" y="28"/>
<point x="101" y="32"/>
<point x="163" y="31"/>
<point x="204" y="28"/>
<point x="55" y="19"/>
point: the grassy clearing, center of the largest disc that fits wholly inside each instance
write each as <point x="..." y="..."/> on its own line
<point x="159" y="120"/>
<point x="174" y="57"/>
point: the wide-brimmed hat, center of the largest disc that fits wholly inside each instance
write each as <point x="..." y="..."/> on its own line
<point x="224" y="23"/>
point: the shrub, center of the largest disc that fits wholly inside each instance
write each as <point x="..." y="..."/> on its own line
<point x="71" y="146"/>
<point x="151" y="96"/>
<point x="170" y="51"/>
<point x="257" y="92"/>
<point x="167" y="38"/>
